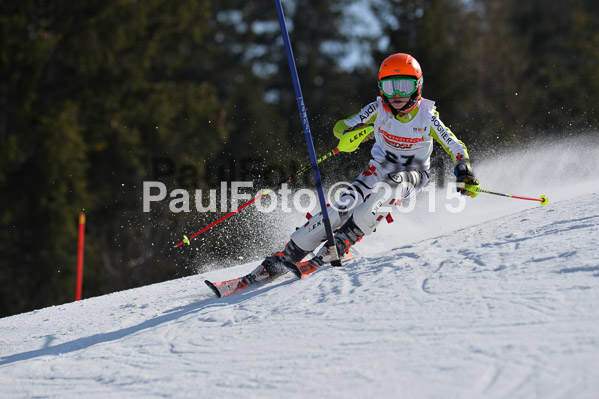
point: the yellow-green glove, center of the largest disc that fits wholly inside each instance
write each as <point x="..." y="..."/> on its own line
<point x="466" y="182"/>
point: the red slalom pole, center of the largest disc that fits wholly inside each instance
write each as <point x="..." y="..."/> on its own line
<point x="80" y="256"/>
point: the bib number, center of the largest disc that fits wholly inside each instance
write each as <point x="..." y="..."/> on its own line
<point x="403" y="160"/>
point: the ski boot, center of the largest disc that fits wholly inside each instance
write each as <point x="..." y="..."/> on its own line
<point x="345" y="238"/>
<point x="274" y="265"/>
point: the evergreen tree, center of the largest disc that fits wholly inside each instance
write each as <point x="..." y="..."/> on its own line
<point x="92" y="92"/>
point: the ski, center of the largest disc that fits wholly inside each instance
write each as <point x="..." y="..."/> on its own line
<point x="226" y="288"/>
<point x="300" y="270"/>
<point x="229" y="287"/>
<point x="307" y="267"/>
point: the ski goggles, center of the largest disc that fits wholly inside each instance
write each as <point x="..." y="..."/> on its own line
<point x="405" y="87"/>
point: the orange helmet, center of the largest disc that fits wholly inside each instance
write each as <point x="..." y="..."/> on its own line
<point x="401" y="73"/>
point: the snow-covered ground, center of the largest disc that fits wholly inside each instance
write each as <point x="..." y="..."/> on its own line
<point x="498" y="301"/>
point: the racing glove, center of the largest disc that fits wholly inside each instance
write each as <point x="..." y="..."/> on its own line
<point x="465" y="180"/>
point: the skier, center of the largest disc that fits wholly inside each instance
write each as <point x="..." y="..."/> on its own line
<point x="405" y="125"/>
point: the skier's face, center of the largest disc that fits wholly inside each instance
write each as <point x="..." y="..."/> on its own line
<point x="398" y="101"/>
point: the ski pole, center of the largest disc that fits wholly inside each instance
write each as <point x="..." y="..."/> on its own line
<point x="348" y="143"/>
<point x="186" y="240"/>
<point x="543" y="200"/>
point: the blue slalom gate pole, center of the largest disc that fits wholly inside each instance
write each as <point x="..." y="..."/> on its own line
<point x="308" y="135"/>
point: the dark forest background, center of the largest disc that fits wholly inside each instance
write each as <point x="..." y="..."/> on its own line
<point x="97" y="97"/>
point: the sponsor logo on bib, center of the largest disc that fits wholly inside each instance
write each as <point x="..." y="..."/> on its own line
<point x="399" y="142"/>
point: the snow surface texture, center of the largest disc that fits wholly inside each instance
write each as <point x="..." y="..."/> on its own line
<point x="498" y="301"/>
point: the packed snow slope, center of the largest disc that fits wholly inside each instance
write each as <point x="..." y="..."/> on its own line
<point x="497" y="301"/>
